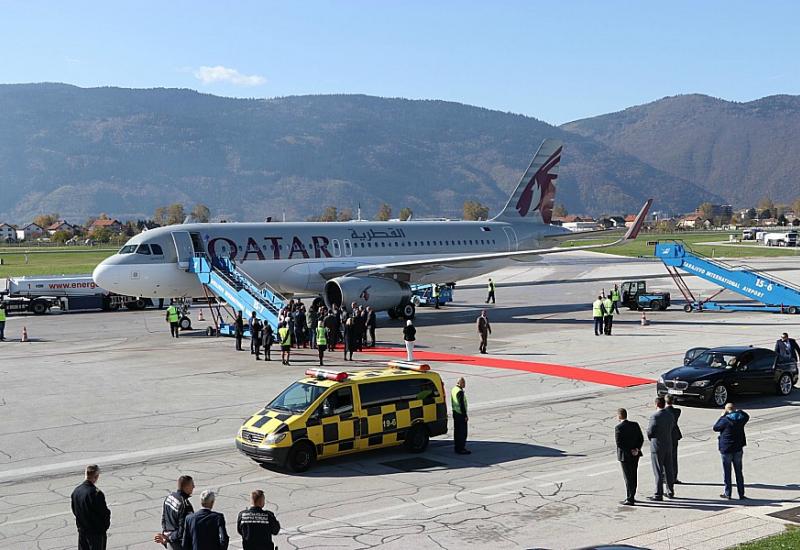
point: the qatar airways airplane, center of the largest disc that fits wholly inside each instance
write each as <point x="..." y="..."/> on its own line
<point x="370" y="263"/>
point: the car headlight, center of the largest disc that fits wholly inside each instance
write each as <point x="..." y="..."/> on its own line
<point x="274" y="438"/>
<point x="701" y="383"/>
<point x="660" y="379"/>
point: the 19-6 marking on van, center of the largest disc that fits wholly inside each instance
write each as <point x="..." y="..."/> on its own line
<point x="389" y="422"/>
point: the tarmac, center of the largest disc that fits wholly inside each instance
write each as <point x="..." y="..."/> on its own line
<point x="116" y="390"/>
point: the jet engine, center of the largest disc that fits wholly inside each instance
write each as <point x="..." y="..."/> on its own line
<point x="377" y="292"/>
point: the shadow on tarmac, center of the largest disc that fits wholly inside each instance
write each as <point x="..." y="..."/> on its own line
<point x="790" y="487"/>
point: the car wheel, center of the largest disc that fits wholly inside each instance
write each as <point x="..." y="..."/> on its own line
<point x="785" y="385"/>
<point x="719" y="396"/>
<point x="688" y="308"/>
<point x="417" y="439"/>
<point x="655" y="304"/>
<point x="301" y="457"/>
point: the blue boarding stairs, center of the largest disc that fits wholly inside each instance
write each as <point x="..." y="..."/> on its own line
<point x="772" y="293"/>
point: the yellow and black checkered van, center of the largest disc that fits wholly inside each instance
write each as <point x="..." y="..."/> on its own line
<point x="332" y="413"/>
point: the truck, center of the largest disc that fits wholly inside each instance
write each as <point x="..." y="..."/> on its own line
<point x="38" y="294"/>
<point x="634" y="296"/>
<point x="788" y="238"/>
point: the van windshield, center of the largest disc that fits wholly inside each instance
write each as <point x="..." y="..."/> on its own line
<point x="297" y="398"/>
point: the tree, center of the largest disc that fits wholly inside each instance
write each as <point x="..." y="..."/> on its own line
<point x="752" y="214"/>
<point x="345" y="215"/>
<point x="329" y="214"/>
<point x="766" y="204"/>
<point x="101" y="234"/>
<point x="160" y="215"/>
<point x="796" y="206"/>
<point x="405" y="213"/>
<point x="706" y="210"/>
<point x="384" y="213"/>
<point x="103" y="216"/>
<point x="60" y="236"/>
<point x="201" y="213"/>
<point x="782" y="221"/>
<point x="796" y="222"/>
<point x="175" y="214"/>
<point x="473" y="210"/>
<point x="560" y="211"/>
<point x="765" y="214"/>
<point x="46" y="220"/>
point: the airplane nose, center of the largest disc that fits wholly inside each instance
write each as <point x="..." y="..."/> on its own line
<point x="102" y="276"/>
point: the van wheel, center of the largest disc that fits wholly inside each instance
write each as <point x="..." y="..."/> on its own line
<point x="301" y="457"/>
<point x="417" y="439"/>
<point x="655" y="304"/>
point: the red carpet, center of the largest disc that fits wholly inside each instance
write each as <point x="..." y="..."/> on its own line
<point x="561" y="371"/>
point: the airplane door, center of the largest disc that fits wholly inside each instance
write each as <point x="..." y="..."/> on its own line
<point x="512" y="238"/>
<point x="348" y="247"/>
<point x="183" y="247"/>
<point x="337" y="250"/>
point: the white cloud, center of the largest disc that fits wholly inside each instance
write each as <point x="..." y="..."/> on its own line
<point x="218" y="73"/>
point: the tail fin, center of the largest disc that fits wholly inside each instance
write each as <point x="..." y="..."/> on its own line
<point x="535" y="194"/>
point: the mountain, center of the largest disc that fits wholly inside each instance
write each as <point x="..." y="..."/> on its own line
<point x="124" y="152"/>
<point x="740" y="151"/>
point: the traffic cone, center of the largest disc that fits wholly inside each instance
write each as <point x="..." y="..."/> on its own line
<point x="200" y="315"/>
<point x="645" y="320"/>
<point x="24" y="334"/>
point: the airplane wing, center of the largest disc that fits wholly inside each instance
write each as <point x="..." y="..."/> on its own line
<point x="430" y="265"/>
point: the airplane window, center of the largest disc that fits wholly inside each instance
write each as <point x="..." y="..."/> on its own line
<point x="369" y="245"/>
<point x="240" y="248"/>
<point x="383" y="244"/>
<point x="143" y="249"/>
<point x="446" y="243"/>
<point x="429" y="243"/>
<point x="264" y="247"/>
<point x="127" y="249"/>
<point x="157" y="249"/>
<point x="362" y="245"/>
<point x="459" y="243"/>
<point x="470" y="241"/>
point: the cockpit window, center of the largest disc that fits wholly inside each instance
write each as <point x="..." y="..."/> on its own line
<point x="127" y="249"/>
<point x="143" y="249"/>
<point x="157" y="249"/>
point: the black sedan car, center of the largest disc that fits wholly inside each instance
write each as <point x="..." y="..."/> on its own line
<point x="712" y="375"/>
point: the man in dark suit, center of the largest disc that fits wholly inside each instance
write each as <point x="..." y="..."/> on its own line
<point x="676" y="436"/>
<point x="92" y="516"/>
<point x="205" y="529"/>
<point x="787" y="348"/>
<point x="659" y="432"/>
<point x="629" y="440"/>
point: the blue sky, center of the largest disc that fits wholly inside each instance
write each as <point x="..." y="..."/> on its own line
<point x="557" y="61"/>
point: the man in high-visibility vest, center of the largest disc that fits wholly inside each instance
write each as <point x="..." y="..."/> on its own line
<point x="615" y="298"/>
<point x="598" y="313"/>
<point x="2" y="320"/>
<point x="608" y="315"/>
<point x="491" y="291"/>
<point x="285" y="336"/>
<point x="174" y="320"/>
<point x="435" y="293"/>
<point x="322" y="341"/>
<point x="458" y="402"/>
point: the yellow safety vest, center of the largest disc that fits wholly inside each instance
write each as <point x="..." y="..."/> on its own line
<point x="491" y="286"/>
<point x="597" y="310"/>
<point x="172" y="314"/>
<point x="285" y="336"/>
<point x="615" y="296"/>
<point x="454" y="404"/>
<point x="435" y="291"/>
<point x="322" y="338"/>
<point x="608" y="304"/>
<point x="2" y="314"/>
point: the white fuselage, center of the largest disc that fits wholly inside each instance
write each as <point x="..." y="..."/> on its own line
<point x="298" y="258"/>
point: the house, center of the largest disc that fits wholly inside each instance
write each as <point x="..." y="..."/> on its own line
<point x="8" y="232"/>
<point x="112" y="225"/>
<point x="629" y="219"/>
<point x="62" y="225"/>
<point x="30" y="231"/>
<point x="580" y="226"/>
<point x="693" y="221"/>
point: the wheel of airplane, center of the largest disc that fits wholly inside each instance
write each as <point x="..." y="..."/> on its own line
<point x="408" y="311"/>
<point x="185" y="323"/>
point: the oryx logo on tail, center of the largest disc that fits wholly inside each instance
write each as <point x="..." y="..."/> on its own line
<point x="545" y="181"/>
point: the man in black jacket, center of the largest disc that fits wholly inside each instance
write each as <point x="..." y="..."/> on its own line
<point x="787" y="348"/>
<point x="238" y="330"/>
<point x="205" y="529"/>
<point x="372" y="322"/>
<point x="659" y="432"/>
<point x="732" y="442"/>
<point x="173" y="514"/>
<point x="92" y="516"/>
<point x="676" y="436"/>
<point x="629" y="438"/>
<point x="256" y="525"/>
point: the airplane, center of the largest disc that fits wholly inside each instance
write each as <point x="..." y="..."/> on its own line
<point x="369" y="263"/>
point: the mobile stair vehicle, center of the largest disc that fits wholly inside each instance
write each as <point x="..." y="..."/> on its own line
<point x="774" y="295"/>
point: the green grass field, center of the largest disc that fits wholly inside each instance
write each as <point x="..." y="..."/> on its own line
<point x="639" y="247"/>
<point x="789" y="540"/>
<point x="51" y="260"/>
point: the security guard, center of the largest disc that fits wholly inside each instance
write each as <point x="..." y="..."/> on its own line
<point x="256" y="525"/>
<point x="174" y="320"/>
<point x="285" y="336"/>
<point x="2" y="320"/>
<point x="491" y="291"/>
<point x="238" y="330"/>
<point x="458" y="402"/>
<point x="615" y="298"/>
<point x="321" y="338"/>
<point x="92" y="515"/>
<point x="173" y="514"/>
<point x="608" y="315"/>
<point x="598" y="312"/>
<point x="435" y="294"/>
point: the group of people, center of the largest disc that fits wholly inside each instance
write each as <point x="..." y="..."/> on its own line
<point x="664" y="435"/>
<point x="181" y="527"/>
<point x="603" y="310"/>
